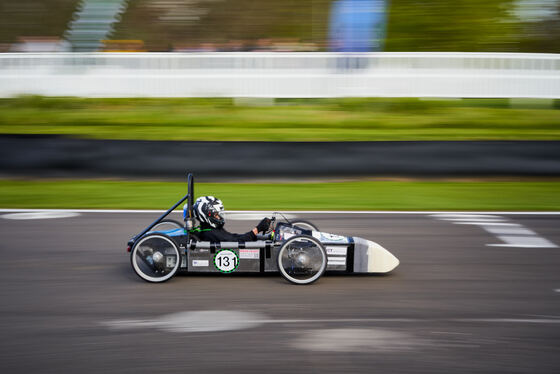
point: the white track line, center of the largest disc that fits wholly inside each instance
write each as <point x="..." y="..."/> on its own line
<point x="509" y="230"/>
<point x="7" y="210"/>
<point x="510" y="233"/>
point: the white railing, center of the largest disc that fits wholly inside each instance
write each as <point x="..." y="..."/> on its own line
<point x="281" y="75"/>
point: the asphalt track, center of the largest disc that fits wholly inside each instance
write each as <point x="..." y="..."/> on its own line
<point x="463" y="300"/>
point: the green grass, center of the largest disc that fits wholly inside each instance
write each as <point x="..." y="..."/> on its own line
<point x="288" y="120"/>
<point x="366" y="195"/>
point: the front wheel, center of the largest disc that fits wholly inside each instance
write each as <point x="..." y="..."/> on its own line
<point x="306" y="225"/>
<point x="302" y="259"/>
<point x="155" y="258"/>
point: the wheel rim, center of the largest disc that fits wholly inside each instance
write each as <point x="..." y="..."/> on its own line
<point x="302" y="260"/>
<point x="155" y="258"/>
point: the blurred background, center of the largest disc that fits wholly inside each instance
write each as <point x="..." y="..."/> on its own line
<point x="300" y="91"/>
<point x="267" y="25"/>
<point x="442" y="114"/>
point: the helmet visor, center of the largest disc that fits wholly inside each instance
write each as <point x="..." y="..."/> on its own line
<point x="216" y="219"/>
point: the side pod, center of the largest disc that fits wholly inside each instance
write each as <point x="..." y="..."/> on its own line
<point x="370" y="257"/>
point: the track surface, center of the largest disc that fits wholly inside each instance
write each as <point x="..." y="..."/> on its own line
<point x="71" y="303"/>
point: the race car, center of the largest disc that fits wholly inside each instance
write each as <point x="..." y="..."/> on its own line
<point x="296" y="249"/>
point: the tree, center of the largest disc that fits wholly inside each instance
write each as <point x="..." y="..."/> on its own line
<point x="542" y="36"/>
<point x="458" y="25"/>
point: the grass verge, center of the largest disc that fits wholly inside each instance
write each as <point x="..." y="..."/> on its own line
<point x="351" y="119"/>
<point x="367" y="195"/>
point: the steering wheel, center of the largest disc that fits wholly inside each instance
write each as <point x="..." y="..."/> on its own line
<point x="269" y="234"/>
<point x="272" y="226"/>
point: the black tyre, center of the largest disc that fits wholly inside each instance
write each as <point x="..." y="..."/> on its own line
<point x="167" y="224"/>
<point x="155" y="258"/>
<point x="302" y="259"/>
<point x="306" y="225"/>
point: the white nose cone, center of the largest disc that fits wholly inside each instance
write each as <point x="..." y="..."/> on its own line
<point x="380" y="260"/>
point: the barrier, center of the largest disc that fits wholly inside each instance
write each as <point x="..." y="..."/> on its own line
<point x="281" y="75"/>
<point x="55" y="156"/>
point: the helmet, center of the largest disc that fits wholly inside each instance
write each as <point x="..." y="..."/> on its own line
<point x="208" y="209"/>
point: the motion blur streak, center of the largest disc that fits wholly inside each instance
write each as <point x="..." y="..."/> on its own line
<point x="71" y="297"/>
<point x="286" y="75"/>
<point x="287" y="25"/>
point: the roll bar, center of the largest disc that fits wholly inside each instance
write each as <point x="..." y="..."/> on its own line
<point x="188" y="218"/>
<point x="190" y="194"/>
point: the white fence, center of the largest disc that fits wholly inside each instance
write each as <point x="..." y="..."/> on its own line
<point x="277" y="75"/>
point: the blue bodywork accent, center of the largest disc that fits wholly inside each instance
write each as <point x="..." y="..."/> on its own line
<point x="185" y="212"/>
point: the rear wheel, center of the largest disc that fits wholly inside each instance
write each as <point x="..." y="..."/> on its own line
<point x="302" y="259"/>
<point x="167" y="224"/>
<point x="155" y="258"/>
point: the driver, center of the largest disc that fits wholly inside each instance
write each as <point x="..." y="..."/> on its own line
<point x="208" y="210"/>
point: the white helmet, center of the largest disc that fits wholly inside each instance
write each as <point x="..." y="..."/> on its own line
<point x="208" y="209"/>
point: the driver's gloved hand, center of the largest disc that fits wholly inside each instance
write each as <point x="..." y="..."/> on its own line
<point x="263" y="225"/>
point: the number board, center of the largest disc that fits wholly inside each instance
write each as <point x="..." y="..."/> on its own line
<point x="226" y="261"/>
